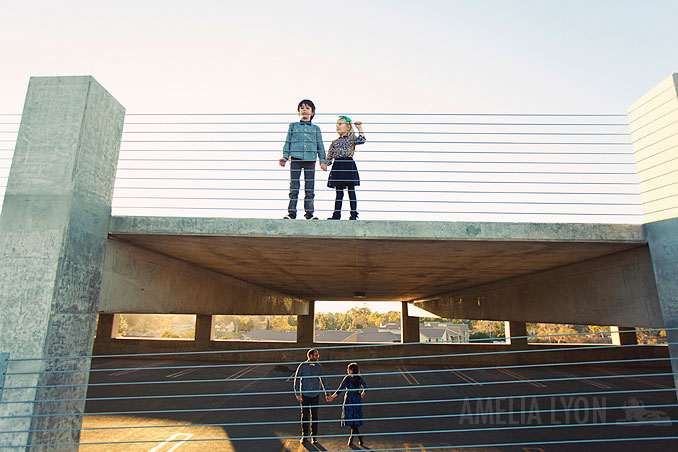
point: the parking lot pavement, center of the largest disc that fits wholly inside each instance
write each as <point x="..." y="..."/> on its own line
<point x="186" y="406"/>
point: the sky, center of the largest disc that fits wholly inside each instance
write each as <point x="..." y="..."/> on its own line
<point x="391" y="56"/>
<point x="427" y="56"/>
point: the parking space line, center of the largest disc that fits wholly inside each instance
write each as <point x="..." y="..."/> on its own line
<point x="533" y="449"/>
<point x="182" y="372"/>
<point x="569" y="375"/>
<point x="410" y="380"/>
<point x="464" y="377"/>
<point x="240" y="373"/>
<point x="171" y="439"/>
<point x="411" y="375"/>
<point x="129" y="371"/>
<point x="639" y="380"/>
<point x="417" y="447"/>
<point x="520" y="377"/>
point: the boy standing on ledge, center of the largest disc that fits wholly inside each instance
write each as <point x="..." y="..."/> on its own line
<point x="304" y="143"/>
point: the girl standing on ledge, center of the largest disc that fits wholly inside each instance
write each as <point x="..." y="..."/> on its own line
<point x="344" y="172"/>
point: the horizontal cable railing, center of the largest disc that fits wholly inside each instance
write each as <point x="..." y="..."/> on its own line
<point x="414" y="166"/>
<point x="437" y="407"/>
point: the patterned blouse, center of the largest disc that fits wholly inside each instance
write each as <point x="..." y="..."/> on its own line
<point x="344" y="146"/>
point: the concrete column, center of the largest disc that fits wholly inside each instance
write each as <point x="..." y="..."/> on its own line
<point x="410" y="326"/>
<point x="306" y="326"/>
<point x="203" y="330"/>
<point x="653" y="121"/>
<point x="53" y="233"/>
<point x="623" y="335"/>
<point x="516" y="333"/>
<point x="662" y="237"/>
<point x="108" y="326"/>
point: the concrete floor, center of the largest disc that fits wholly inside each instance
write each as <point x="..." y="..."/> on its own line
<point x="444" y="403"/>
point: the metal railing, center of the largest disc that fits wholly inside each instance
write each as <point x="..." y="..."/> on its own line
<point x="450" y="167"/>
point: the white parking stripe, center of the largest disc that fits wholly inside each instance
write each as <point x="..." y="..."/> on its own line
<point x="182" y="372"/>
<point x="129" y="371"/>
<point x="172" y="439"/>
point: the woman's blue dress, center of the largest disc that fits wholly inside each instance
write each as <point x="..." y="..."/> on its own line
<point x="352" y="410"/>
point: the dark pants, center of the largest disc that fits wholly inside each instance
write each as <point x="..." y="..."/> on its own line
<point x="309" y="406"/>
<point x="309" y="181"/>
<point x="339" y="199"/>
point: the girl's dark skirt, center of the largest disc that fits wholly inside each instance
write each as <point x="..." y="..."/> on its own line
<point x="344" y="173"/>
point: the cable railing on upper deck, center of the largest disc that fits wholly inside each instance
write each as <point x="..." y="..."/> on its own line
<point x="414" y="166"/>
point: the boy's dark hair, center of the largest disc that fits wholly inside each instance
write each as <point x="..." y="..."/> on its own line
<point x="308" y="103"/>
<point x="354" y="367"/>
<point x="312" y="351"/>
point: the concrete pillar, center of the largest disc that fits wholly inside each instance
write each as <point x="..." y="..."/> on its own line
<point x="516" y="333"/>
<point x="53" y="232"/>
<point x="306" y="326"/>
<point x="623" y="335"/>
<point x="653" y="121"/>
<point x="108" y="326"/>
<point x="203" y="330"/>
<point x="410" y="326"/>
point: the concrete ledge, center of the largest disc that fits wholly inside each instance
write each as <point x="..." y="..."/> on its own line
<point x="404" y="230"/>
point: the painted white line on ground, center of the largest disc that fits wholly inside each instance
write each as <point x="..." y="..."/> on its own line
<point x="171" y="439"/>
<point x="411" y="376"/>
<point x="240" y="373"/>
<point x="414" y="447"/>
<point x="639" y="380"/>
<point x="520" y="377"/>
<point x="182" y="372"/>
<point x="569" y="375"/>
<point x="464" y="377"/>
<point x="129" y="371"/>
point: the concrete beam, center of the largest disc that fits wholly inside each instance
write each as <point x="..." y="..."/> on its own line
<point x="306" y="326"/>
<point x="617" y="289"/>
<point x="140" y="281"/>
<point x="53" y="233"/>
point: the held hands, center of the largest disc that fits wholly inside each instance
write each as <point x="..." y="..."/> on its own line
<point x="299" y="398"/>
<point x="282" y="161"/>
<point x="330" y="398"/>
<point x="323" y="166"/>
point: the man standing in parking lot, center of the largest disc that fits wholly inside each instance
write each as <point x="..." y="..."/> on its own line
<point x="308" y="382"/>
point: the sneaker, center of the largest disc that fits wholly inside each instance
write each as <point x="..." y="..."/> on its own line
<point x="288" y="217"/>
<point x="310" y="217"/>
<point x="315" y="440"/>
<point x="301" y="441"/>
<point x="334" y="218"/>
<point x="353" y="217"/>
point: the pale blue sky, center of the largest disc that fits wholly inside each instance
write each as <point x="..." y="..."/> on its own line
<point x="368" y="56"/>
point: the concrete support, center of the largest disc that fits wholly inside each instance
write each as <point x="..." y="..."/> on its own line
<point x="306" y="326"/>
<point x="616" y="289"/>
<point x="653" y="121"/>
<point x="623" y="335"/>
<point x="53" y="233"/>
<point x="410" y="326"/>
<point x="516" y="333"/>
<point x="203" y="330"/>
<point x="107" y="328"/>
<point x="138" y="281"/>
<point x="662" y="236"/>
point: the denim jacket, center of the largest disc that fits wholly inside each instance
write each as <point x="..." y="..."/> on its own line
<point x="304" y="142"/>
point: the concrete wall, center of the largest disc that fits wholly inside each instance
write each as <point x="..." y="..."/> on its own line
<point x="140" y="281"/>
<point x="617" y="289"/>
<point x="653" y="121"/>
<point x="53" y="233"/>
